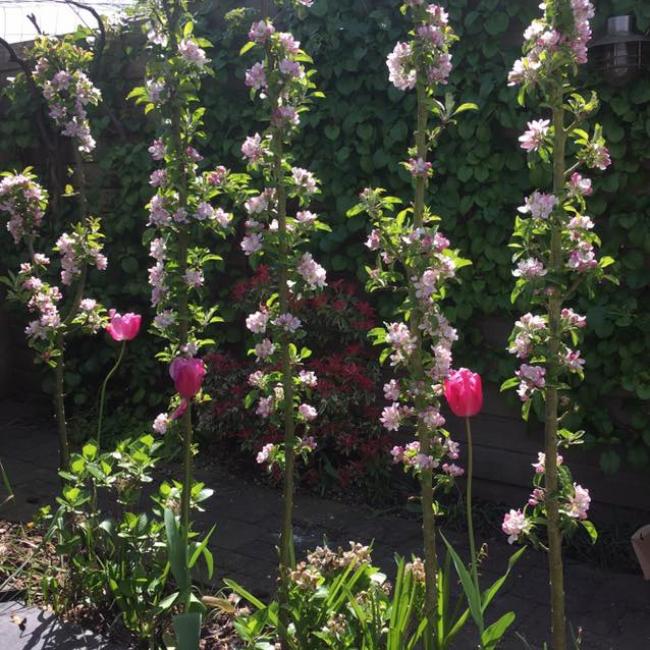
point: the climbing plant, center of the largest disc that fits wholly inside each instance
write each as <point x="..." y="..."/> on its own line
<point x="354" y="137"/>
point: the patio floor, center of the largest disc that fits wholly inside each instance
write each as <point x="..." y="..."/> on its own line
<point x="612" y="609"/>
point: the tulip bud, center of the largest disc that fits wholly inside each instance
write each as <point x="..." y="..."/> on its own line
<point x="123" y="328"/>
<point x="464" y="392"/>
<point x="188" y="374"/>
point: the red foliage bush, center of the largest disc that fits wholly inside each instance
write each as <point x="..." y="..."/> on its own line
<point x="353" y="451"/>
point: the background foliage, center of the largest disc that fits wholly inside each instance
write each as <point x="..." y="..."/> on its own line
<point x="356" y="137"/>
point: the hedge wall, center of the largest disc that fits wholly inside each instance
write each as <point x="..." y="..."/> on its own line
<point x="356" y="137"/>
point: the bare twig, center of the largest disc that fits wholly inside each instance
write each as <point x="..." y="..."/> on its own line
<point x="101" y="40"/>
<point x="37" y="27"/>
<point x="100" y="45"/>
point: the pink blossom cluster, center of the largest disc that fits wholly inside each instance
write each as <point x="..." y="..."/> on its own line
<point x="90" y="315"/>
<point x="419" y="167"/>
<point x="530" y="334"/>
<point x="191" y="53"/>
<point x="539" y="205"/>
<point x="529" y="269"/>
<point x="403" y="343"/>
<point x="442" y="451"/>
<point x="272" y="454"/>
<point x="516" y="525"/>
<point x="23" y="200"/>
<point x="550" y="44"/>
<point x="535" y="136"/>
<point x="426" y="252"/>
<point x="42" y="300"/>
<point x="312" y="273"/>
<point x="428" y="52"/>
<point x="574" y="502"/>
<point x="68" y="92"/>
<point x="280" y="238"/>
<point x="254" y="148"/>
<point x="76" y="251"/>
<point x="529" y="331"/>
<point x="157" y="273"/>
<point x="531" y="379"/>
<point x="578" y="502"/>
<point x="167" y="215"/>
<point x="288" y="71"/>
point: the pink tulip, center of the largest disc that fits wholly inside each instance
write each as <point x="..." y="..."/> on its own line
<point x="464" y="392"/>
<point x="188" y="374"/>
<point x="123" y="328"/>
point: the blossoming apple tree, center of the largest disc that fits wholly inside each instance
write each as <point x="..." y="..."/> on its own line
<point x="415" y="258"/>
<point x="183" y="223"/>
<point x="555" y="253"/>
<point x="60" y="310"/>
<point x="278" y="226"/>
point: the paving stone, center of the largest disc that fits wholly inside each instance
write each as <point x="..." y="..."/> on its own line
<point x="42" y="631"/>
<point x="612" y="608"/>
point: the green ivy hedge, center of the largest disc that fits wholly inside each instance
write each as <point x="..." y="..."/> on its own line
<point x="356" y="137"/>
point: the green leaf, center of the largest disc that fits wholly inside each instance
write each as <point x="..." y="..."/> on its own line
<point x="591" y="530"/>
<point x="177" y="552"/>
<point x="473" y="596"/>
<point x="467" y="106"/>
<point x="166" y="603"/>
<point x="494" y="633"/>
<point x="332" y="131"/>
<point x="509" y="383"/>
<point x="493" y="590"/>
<point x="187" y="628"/>
<point x="610" y="461"/>
<point x="246" y="47"/>
<point x="496" y="23"/>
<point x="241" y="591"/>
<point x="200" y="549"/>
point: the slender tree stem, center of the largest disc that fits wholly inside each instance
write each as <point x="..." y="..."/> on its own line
<point x="417" y="371"/>
<point x="556" y="571"/>
<point x="286" y="539"/>
<point x="59" y="406"/>
<point x="171" y="13"/>
<point x="102" y="395"/>
<point x="470" y="519"/>
<point x="59" y="371"/>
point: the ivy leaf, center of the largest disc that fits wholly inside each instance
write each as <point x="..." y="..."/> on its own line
<point x="610" y="461"/>
<point x="496" y="23"/>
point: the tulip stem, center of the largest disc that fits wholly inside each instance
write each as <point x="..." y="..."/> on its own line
<point x="102" y="395"/>
<point x="468" y="501"/>
<point x="186" y="497"/>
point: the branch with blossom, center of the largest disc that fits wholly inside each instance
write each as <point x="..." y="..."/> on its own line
<point x="184" y="220"/>
<point x="182" y="227"/>
<point x="61" y="74"/>
<point x="555" y="251"/>
<point x="279" y="225"/>
<point x="56" y="316"/>
<point x="416" y="260"/>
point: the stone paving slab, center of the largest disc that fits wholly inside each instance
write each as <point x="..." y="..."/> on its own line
<point x="31" y="628"/>
<point x="612" y="608"/>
